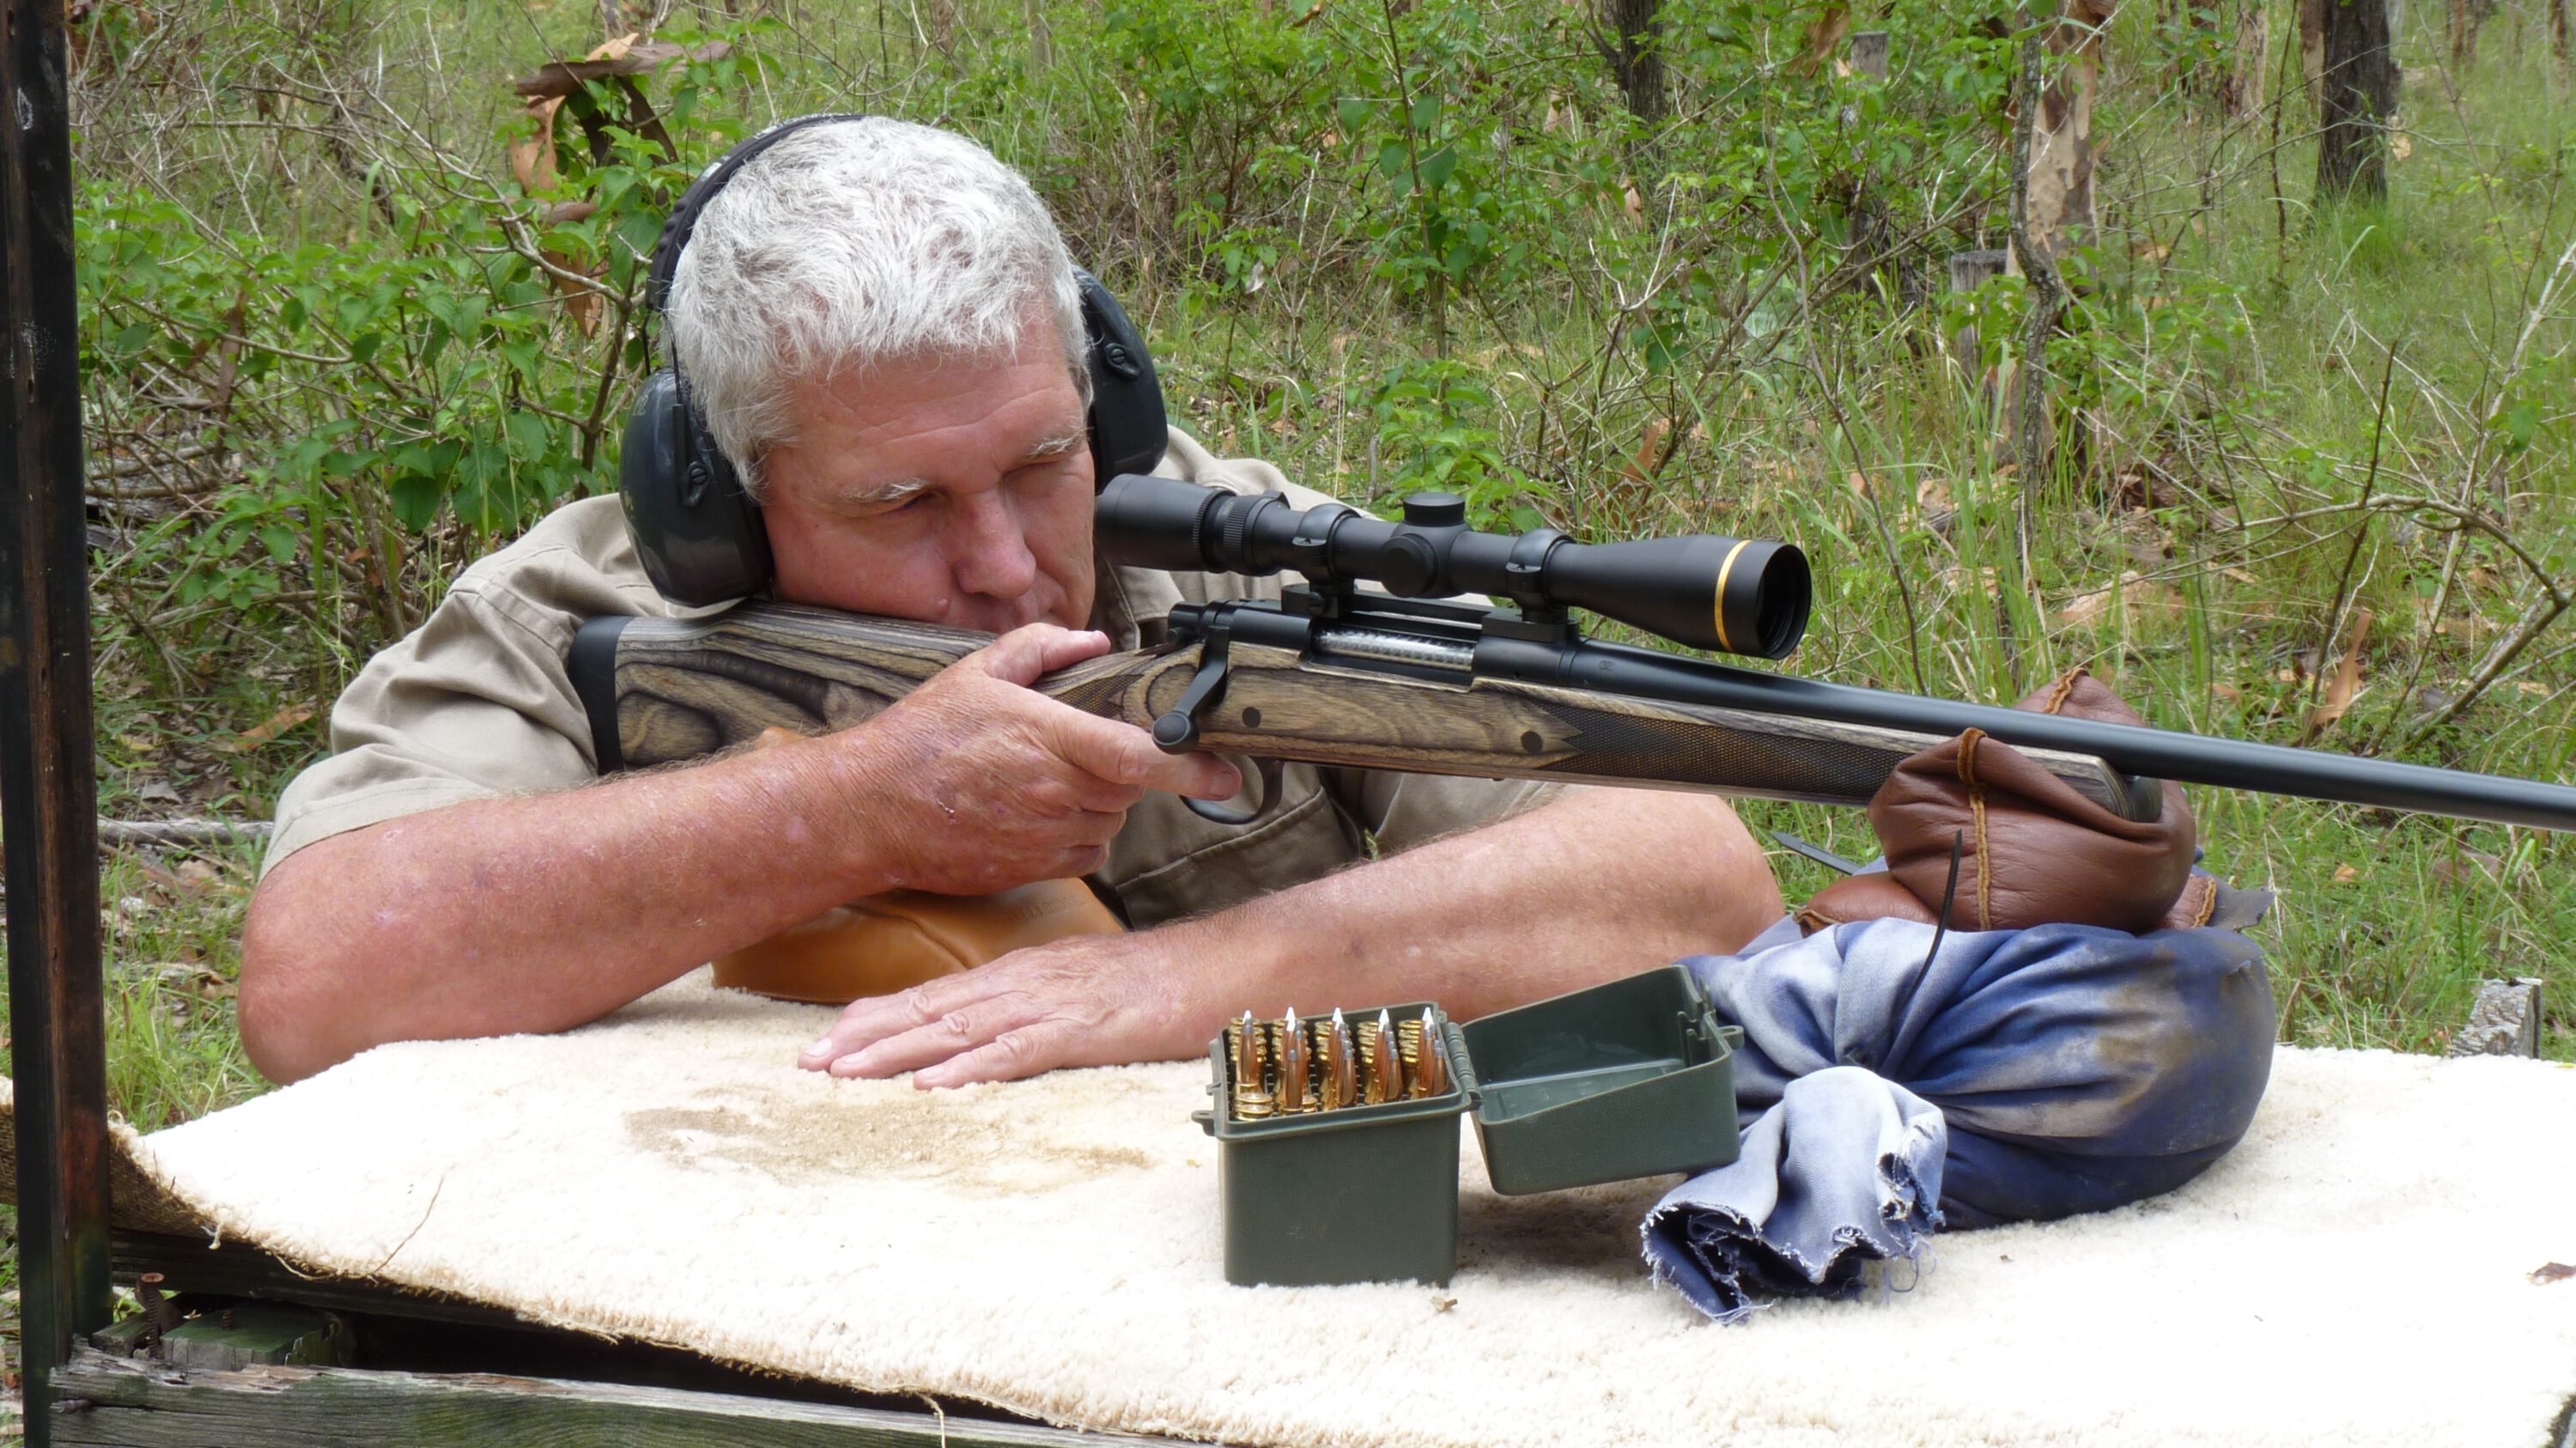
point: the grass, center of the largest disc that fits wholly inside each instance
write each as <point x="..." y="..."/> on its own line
<point x="2204" y="542"/>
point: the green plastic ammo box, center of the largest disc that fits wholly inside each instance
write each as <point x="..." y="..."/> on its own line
<point x="1628" y="1079"/>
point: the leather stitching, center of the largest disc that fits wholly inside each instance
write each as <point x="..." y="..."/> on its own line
<point x="2065" y="688"/>
<point x="2208" y="902"/>
<point x="1977" y="812"/>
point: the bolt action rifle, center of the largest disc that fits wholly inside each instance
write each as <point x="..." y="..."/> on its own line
<point x="1410" y="679"/>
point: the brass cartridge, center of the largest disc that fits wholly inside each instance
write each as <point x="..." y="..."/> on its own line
<point x="1341" y="1070"/>
<point x="1385" y="1078"/>
<point x="1295" y="1069"/>
<point x="1430" y="1066"/>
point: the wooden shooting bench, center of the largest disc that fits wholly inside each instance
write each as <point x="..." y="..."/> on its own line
<point x="272" y="1355"/>
<point x="275" y="1356"/>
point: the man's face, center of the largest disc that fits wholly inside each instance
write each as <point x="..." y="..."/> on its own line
<point x="955" y="492"/>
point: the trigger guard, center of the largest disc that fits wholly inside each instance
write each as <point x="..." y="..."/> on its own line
<point x="1218" y="814"/>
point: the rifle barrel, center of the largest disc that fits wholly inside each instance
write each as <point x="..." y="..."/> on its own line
<point x="2131" y="749"/>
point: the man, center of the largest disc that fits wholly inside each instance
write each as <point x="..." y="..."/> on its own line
<point x="880" y="324"/>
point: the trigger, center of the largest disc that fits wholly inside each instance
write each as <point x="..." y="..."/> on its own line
<point x="1220" y="814"/>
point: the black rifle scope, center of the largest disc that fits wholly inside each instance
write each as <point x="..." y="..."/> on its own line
<point x="1736" y="595"/>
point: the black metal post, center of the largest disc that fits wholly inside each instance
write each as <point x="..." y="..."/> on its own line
<point x="48" y="779"/>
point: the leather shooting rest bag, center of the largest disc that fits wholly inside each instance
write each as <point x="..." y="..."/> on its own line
<point x="2031" y="850"/>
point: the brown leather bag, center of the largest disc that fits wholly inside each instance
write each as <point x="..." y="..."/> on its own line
<point x="2032" y="851"/>
<point x="894" y="941"/>
<point x="897" y="940"/>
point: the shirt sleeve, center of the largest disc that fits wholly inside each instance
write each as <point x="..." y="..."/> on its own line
<point x="475" y="704"/>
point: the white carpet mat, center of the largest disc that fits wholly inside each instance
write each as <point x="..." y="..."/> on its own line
<point x="2359" y="1271"/>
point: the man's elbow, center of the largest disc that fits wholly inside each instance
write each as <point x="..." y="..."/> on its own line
<point x="284" y="1007"/>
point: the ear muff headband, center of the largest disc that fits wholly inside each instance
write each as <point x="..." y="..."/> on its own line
<point x="697" y="531"/>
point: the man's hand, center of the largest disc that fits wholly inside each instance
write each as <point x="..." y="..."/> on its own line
<point x="1091" y="1000"/>
<point x="974" y="783"/>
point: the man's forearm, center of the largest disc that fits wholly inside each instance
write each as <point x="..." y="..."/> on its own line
<point x="533" y="913"/>
<point x="1600" y="885"/>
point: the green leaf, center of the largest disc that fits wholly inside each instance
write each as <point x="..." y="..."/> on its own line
<point x="1437" y="166"/>
<point x="416" y="501"/>
<point x="1353" y="111"/>
<point x="529" y="436"/>
<point x="1425" y="115"/>
<point x="1393" y="159"/>
<point x="2522" y="422"/>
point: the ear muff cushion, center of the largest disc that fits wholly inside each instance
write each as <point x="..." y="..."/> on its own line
<point x="1129" y="431"/>
<point x="701" y="540"/>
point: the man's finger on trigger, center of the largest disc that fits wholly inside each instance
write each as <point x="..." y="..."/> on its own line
<point x="1124" y="754"/>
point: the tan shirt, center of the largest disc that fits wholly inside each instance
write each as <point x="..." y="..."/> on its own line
<point x="477" y="704"/>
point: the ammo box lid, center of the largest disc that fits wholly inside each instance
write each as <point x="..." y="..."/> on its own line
<point x="1634" y="1077"/>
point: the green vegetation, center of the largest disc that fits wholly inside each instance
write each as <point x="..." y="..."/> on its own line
<point x="352" y="315"/>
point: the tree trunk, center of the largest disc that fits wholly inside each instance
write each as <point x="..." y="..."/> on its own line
<point x="2357" y="93"/>
<point x="2062" y="214"/>
<point x="1635" y="60"/>
<point x="2312" y="40"/>
<point x="2240" y="91"/>
<point x="2558" y="38"/>
<point x="2466" y="17"/>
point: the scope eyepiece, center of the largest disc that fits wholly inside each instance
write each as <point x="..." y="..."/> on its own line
<point x="1735" y="595"/>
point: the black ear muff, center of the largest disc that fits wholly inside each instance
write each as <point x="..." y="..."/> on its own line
<point x="1128" y="429"/>
<point x="699" y="534"/>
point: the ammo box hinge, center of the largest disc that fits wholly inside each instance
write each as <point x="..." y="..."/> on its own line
<point x="1460" y="1066"/>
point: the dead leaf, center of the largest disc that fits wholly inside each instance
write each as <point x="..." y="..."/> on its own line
<point x="1858" y="482"/>
<point x="2346" y="874"/>
<point x="1655" y="448"/>
<point x="1933" y="496"/>
<point x="2553" y="1272"/>
<point x="1955" y="579"/>
<point x="2450" y="873"/>
<point x="2150" y="251"/>
<point x="268" y="729"/>
<point x="158" y="792"/>
<point x="2346" y="682"/>
<point x="1636" y="204"/>
<point x="2138" y="595"/>
<point x="2228" y="692"/>
<point x="2241" y="575"/>
<point x="2400" y="145"/>
<point x="137" y="743"/>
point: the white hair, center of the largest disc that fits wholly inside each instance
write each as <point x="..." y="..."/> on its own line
<point x="853" y="244"/>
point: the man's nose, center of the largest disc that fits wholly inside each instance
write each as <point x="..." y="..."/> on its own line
<point x="990" y="551"/>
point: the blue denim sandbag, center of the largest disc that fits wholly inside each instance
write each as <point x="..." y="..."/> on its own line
<point x="1888" y="1088"/>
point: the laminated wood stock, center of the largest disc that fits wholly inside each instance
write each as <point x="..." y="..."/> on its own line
<point x="684" y="689"/>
